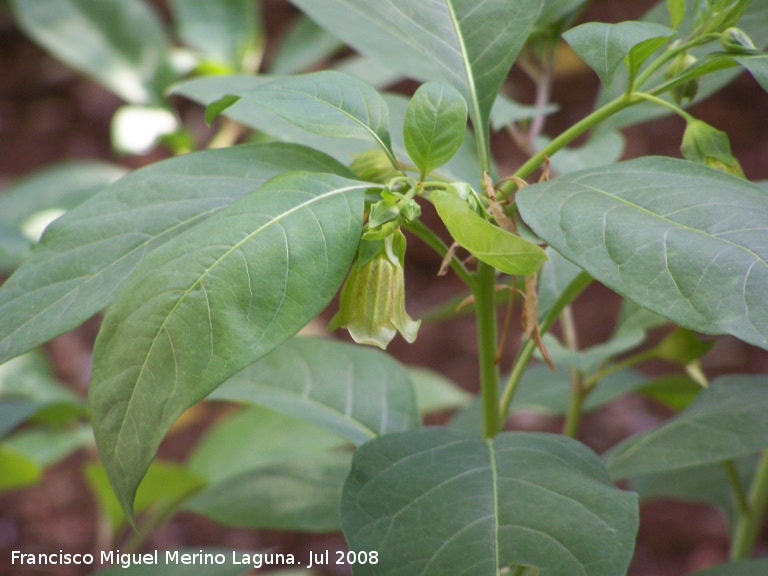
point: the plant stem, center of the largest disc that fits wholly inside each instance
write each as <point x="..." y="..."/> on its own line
<point x="485" y="313"/>
<point x="749" y="523"/>
<point x="738" y="490"/>
<point x="578" y="391"/>
<point x="433" y="241"/>
<point x="668" y="105"/>
<point x="526" y="352"/>
<point x="567" y="137"/>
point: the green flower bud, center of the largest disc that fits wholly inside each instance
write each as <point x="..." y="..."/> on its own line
<point x="686" y="91"/>
<point x="372" y="306"/>
<point x="373" y="166"/>
<point x="682" y="347"/>
<point x="736" y="41"/>
<point x="706" y="145"/>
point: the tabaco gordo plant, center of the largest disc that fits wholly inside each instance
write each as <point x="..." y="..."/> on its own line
<point x="208" y="264"/>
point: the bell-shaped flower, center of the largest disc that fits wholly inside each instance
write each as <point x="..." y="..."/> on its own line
<point x="372" y="306"/>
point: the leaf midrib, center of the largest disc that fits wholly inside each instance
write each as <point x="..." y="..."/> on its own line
<point x="186" y="293"/>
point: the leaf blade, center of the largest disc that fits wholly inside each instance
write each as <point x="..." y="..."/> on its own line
<point x="653" y="230"/>
<point x="86" y="255"/>
<point x="488" y="503"/>
<point x="297" y="224"/>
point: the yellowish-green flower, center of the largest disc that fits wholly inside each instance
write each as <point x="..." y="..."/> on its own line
<point x="372" y="306"/>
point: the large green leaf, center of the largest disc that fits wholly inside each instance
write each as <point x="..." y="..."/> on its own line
<point x="228" y="33"/>
<point x="87" y="254"/>
<point x="269" y="470"/>
<point x="604" y="46"/>
<point x="299" y="494"/>
<point x="435" y="124"/>
<point x="119" y="43"/>
<point x="208" y="90"/>
<point x="726" y="421"/>
<point x="436" y="501"/>
<point x="61" y="186"/>
<point x="328" y="103"/>
<point x="486" y="242"/>
<point x="469" y="44"/>
<point x="680" y="239"/>
<point x="303" y="46"/>
<point x="353" y="391"/>
<point x="211" y="301"/>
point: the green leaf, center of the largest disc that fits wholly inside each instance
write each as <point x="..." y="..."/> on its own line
<point x="328" y="103"/>
<point x="228" y="33"/>
<point x="675" y="391"/>
<point x="47" y="447"/>
<point x="436" y="501"/>
<point x="751" y="567"/>
<point x="505" y="111"/>
<point x="435" y="392"/>
<point x="547" y="392"/>
<point x="468" y="45"/>
<point x="654" y="230"/>
<point x="257" y="437"/>
<point x="355" y="392"/>
<point x="288" y="495"/>
<point x="165" y="484"/>
<point x="17" y="470"/>
<point x="589" y="359"/>
<point x="486" y="242"/>
<point x="753" y="22"/>
<point x="727" y="420"/>
<point x="676" y="10"/>
<point x="210" y="562"/>
<point x="119" y="43"/>
<point x="603" y="148"/>
<point x="435" y="124"/>
<point x="604" y="46"/>
<point x="87" y="254"/>
<point x="304" y="45"/>
<point x="269" y="470"/>
<point x="247" y="279"/>
<point x="60" y="186"/>
<point x="209" y="91"/>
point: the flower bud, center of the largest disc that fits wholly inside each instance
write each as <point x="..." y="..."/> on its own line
<point x="737" y="41"/>
<point x="686" y="91"/>
<point x="372" y="306"/>
<point x="706" y="145"/>
<point x="373" y="166"/>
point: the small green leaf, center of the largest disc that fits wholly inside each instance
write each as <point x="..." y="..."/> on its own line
<point x="486" y="242"/>
<point x="589" y="359"/>
<point x="676" y="10"/>
<point x="519" y="499"/>
<point x="17" y="470"/>
<point x="48" y="446"/>
<point x="435" y="392"/>
<point x="682" y="347"/>
<point x="435" y="124"/>
<point x="87" y="254"/>
<point x="328" y="103"/>
<point x="653" y="230"/>
<point x="706" y="145"/>
<point x="120" y="43"/>
<point x="247" y="279"/>
<point x="213" y="110"/>
<point x="727" y="420"/>
<point x="604" y="46"/>
<point x="302" y="378"/>
<point x="546" y="392"/>
<point x="227" y="33"/>
<point x="467" y="44"/>
<point x="164" y="485"/>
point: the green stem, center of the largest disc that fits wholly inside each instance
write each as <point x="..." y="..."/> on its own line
<point x="485" y="313"/>
<point x="526" y="352"/>
<point x="567" y="137"/>
<point x="749" y="523"/>
<point x="578" y="392"/>
<point x="433" y="241"/>
<point x="663" y="103"/>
